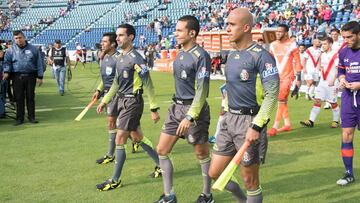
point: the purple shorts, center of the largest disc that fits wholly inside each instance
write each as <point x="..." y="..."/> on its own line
<point x="350" y="114"/>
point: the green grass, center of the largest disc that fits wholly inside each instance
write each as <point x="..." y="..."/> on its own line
<point x="54" y="161"/>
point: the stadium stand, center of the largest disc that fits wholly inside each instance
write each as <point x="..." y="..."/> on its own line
<point x="84" y="21"/>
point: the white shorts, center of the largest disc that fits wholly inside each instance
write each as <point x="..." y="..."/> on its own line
<point x="325" y="92"/>
<point x="312" y="74"/>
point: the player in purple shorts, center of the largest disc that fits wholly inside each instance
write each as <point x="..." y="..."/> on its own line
<point x="349" y="79"/>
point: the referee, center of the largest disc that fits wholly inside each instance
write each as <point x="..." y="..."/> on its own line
<point x="250" y="103"/>
<point x="23" y="63"/>
<point x="131" y="77"/>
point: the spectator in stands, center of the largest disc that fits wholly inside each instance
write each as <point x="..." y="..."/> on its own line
<point x="157" y="28"/>
<point x="142" y="41"/>
<point x="327" y="15"/>
<point x="62" y="12"/>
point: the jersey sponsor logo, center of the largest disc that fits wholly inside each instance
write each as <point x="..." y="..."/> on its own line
<point x="132" y="54"/>
<point x="237" y="56"/>
<point x="144" y="70"/>
<point x="269" y="70"/>
<point x="125" y="74"/>
<point x="244" y="75"/>
<point x="204" y="73"/>
<point x="108" y="70"/>
<point x="181" y="57"/>
<point x="183" y="75"/>
<point x="27" y="52"/>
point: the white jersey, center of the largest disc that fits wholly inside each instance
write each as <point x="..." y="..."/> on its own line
<point x="328" y="63"/>
<point x="313" y="58"/>
<point x="336" y="45"/>
<point x="303" y="58"/>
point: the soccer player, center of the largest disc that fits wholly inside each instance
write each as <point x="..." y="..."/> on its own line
<point x="285" y="53"/>
<point x="311" y="69"/>
<point x="247" y="115"/>
<point x="349" y="81"/>
<point x="337" y="44"/>
<point x="130" y="78"/>
<point x="189" y="116"/>
<point x="79" y="56"/>
<point x="326" y="90"/>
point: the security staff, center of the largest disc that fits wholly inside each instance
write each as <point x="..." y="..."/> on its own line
<point x="23" y="62"/>
<point x="59" y="57"/>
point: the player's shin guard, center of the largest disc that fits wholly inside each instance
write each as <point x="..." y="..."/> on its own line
<point x="112" y="136"/>
<point x="146" y="144"/>
<point x="335" y="111"/>
<point x="233" y="187"/>
<point x="314" y="112"/>
<point x="167" y="168"/>
<point x="120" y="157"/>
<point x="254" y="196"/>
<point x="347" y="153"/>
<point x="205" y="165"/>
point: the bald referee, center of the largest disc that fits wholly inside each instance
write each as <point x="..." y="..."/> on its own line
<point x="247" y="115"/>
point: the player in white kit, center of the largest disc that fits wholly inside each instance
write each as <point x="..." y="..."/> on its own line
<point x="326" y="90"/>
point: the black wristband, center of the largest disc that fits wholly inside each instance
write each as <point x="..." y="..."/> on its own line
<point x="256" y="127"/>
<point x="155" y="110"/>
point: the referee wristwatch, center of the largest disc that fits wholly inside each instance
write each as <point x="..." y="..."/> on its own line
<point x="255" y="127"/>
<point x="189" y="118"/>
<point x="155" y="109"/>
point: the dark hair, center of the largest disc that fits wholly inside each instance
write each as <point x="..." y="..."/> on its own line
<point x="130" y="30"/>
<point x="335" y="30"/>
<point x="351" y="26"/>
<point x="302" y="45"/>
<point x="328" y="39"/>
<point x="18" y="32"/>
<point x="286" y="27"/>
<point x="111" y="36"/>
<point x="191" y="23"/>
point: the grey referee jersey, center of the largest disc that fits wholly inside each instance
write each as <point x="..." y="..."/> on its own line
<point x="108" y="70"/>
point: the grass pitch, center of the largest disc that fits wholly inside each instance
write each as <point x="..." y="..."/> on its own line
<point x="54" y="161"/>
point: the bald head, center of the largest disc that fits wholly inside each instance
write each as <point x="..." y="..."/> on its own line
<point x="239" y="26"/>
<point x="243" y="16"/>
